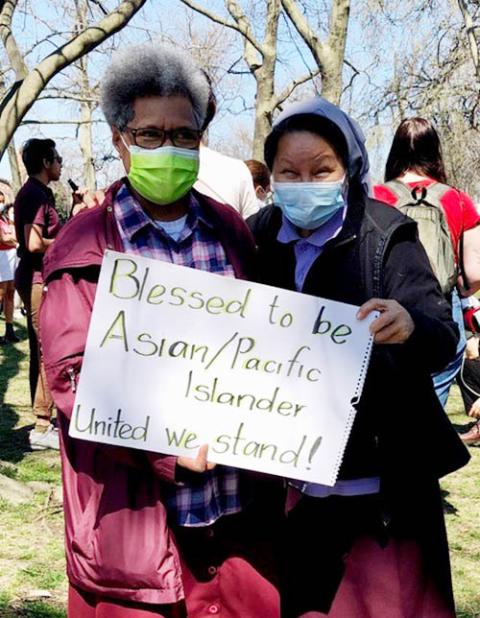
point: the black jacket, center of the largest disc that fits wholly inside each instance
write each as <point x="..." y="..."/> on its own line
<point x="400" y="429"/>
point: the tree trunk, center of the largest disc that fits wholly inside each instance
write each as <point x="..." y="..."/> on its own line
<point x="264" y="73"/>
<point x="260" y="57"/>
<point x="331" y="79"/>
<point x="85" y="139"/>
<point x="329" y="55"/>
<point x="263" y="109"/>
<point x="337" y="39"/>
<point x="472" y="40"/>
<point x="14" y="167"/>
<point x="86" y="108"/>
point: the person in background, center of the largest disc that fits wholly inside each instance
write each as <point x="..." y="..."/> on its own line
<point x="83" y="199"/>
<point x="224" y="179"/>
<point x="374" y="544"/>
<point x="8" y="254"/>
<point x="261" y="181"/>
<point x="150" y="534"/>
<point x="416" y="160"/>
<point x="37" y="223"/>
<point x="468" y="381"/>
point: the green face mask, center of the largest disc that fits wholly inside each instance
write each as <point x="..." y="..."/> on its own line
<point x="163" y="175"/>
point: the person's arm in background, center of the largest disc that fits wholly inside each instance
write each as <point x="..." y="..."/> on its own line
<point x="471" y="316"/>
<point x="474" y="411"/>
<point x="470" y="256"/>
<point x="472" y="354"/>
<point x="34" y="239"/>
<point x="468" y="377"/>
<point x="83" y="199"/>
<point x="35" y="223"/>
<point x="6" y="237"/>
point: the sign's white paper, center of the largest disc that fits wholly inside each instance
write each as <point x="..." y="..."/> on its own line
<point x="178" y="357"/>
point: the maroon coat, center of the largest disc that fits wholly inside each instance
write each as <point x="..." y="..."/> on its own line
<point x="118" y="543"/>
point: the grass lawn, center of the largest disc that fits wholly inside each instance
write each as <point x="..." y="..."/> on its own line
<point x="32" y="579"/>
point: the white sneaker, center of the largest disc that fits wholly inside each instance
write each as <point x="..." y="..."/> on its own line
<point x="43" y="440"/>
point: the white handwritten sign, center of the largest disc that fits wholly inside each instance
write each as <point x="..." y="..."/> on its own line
<point x="177" y="358"/>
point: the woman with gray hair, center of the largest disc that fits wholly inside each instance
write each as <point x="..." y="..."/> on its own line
<point x="148" y="534"/>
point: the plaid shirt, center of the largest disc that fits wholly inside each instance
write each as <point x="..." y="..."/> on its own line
<point x="215" y="492"/>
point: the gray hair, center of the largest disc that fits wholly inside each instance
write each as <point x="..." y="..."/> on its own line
<point x="151" y="69"/>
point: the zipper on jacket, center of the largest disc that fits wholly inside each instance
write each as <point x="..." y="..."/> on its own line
<point x="72" y="375"/>
<point x="345" y="241"/>
<point x="331" y="245"/>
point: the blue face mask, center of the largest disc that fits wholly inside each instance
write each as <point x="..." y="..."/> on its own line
<point x="309" y="205"/>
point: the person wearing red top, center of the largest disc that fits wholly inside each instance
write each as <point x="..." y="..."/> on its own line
<point x="416" y="160"/>
<point x="8" y="242"/>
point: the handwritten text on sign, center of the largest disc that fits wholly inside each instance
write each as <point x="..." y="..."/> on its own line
<point x="177" y="358"/>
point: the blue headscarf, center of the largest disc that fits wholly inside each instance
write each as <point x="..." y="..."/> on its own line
<point x="356" y="156"/>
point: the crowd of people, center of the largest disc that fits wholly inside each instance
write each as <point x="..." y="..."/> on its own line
<point x="149" y="534"/>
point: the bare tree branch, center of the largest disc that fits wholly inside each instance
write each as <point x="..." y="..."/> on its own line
<point x="70" y="96"/>
<point x="100" y="5"/>
<point x="219" y="20"/>
<point x="46" y="39"/>
<point x="316" y="46"/>
<point x="244" y="27"/>
<point x="55" y="122"/>
<point x="23" y="93"/>
<point x="355" y="73"/>
<point x="283" y="96"/>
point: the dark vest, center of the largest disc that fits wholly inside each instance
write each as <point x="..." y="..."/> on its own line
<point x="398" y="397"/>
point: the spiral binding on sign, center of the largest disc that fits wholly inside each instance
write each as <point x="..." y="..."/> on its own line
<point x="353" y="402"/>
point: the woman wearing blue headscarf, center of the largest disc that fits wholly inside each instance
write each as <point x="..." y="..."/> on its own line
<point x="375" y="543"/>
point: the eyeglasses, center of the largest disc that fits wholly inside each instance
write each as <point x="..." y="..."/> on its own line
<point x="155" y="138"/>
<point x="58" y="158"/>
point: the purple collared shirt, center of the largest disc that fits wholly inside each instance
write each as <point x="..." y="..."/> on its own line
<point x="308" y="249"/>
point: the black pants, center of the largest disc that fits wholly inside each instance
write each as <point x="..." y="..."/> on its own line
<point x="469" y="382"/>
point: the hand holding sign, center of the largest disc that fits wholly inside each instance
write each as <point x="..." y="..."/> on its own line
<point x="394" y="325"/>
<point x="197" y="464"/>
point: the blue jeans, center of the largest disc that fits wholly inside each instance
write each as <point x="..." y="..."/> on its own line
<point x="443" y="380"/>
